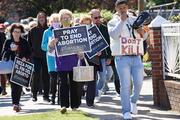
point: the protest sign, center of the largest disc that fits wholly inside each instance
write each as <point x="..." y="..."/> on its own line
<point x="97" y="41"/>
<point x="72" y="40"/>
<point x="131" y="46"/>
<point x="22" y="72"/>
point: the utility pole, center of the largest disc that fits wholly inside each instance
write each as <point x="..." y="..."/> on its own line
<point x="140" y="5"/>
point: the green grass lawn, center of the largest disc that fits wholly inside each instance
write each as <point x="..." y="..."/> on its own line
<point x="53" y="115"/>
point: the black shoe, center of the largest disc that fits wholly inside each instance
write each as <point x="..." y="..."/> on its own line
<point x="53" y="102"/>
<point x="4" y="93"/>
<point x="34" y="98"/>
<point x="63" y="110"/>
<point x="1" y="89"/>
<point x="46" y="99"/>
<point x="16" y="108"/>
<point x="40" y="93"/>
<point x="90" y="105"/>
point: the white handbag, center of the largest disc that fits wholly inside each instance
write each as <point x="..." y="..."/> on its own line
<point x="83" y="73"/>
<point x="6" y="66"/>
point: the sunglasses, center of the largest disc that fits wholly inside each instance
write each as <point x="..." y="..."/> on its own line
<point x="98" y="17"/>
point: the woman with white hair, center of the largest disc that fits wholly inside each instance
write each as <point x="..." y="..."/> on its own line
<point x="65" y="64"/>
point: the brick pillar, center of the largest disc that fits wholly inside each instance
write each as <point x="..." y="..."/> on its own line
<point x="159" y="91"/>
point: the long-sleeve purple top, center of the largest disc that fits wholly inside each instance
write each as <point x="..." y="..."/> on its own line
<point x="66" y="63"/>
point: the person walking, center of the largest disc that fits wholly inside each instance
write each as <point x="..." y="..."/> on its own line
<point x="16" y="47"/>
<point x="129" y="67"/>
<point x="65" y="64"/>
<point x="2" y="40"/>
<point x="51" y="62"/>
<point x="88" y="89"/>
<point x="39" y="58"/>
<point x="105" y="55"/>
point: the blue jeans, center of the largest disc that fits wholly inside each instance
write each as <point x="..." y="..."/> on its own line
<point x="101" y="76"/>
<point x="129" y="68"/>
<point x="109" y="72"/>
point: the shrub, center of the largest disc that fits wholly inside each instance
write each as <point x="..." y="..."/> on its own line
<point x="175" y="19"/>
<point x="106" y="15"/>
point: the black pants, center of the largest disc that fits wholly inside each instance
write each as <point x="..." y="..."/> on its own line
<point x="3" y="83"/>
<point x="68" y="89"/>
<point x="15" y="93"/>
<point x="40" y="72"/>
<point x="53" y="81"/>
<point x="91" y="89"/>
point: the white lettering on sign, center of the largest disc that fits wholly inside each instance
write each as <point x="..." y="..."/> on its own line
<point x="130" y="46"/>
<point x="72" y="31"/>
<point x="74" y="36"/>
<point x="20" y="63"/>
<point x="80" y="40"/>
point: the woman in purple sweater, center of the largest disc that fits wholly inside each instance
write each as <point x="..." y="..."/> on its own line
<point x="65" y="64"/>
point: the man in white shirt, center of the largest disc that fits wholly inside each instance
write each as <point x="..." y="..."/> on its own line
<point x="129" y="66"/>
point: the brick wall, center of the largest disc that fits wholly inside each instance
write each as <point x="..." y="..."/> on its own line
<point x="159" y="90"/>
<point x="173" y="91"/>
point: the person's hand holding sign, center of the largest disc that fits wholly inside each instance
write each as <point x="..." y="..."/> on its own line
<point x="23" y="59"/>
<point x="53" y="42"/>
<point x="98" y="53"/>
<point x="80" y="55"/>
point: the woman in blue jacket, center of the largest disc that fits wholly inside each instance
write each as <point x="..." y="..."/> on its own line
<point x="51" y="62"/>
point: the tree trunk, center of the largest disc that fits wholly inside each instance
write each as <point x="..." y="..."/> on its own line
<point x="140" y="5"/>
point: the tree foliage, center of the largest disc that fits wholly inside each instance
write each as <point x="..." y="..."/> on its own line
<point x="30" y="7"/>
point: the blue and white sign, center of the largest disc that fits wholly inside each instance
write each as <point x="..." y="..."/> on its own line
<point x="72" y="40"/>
<point x="22" y="72"/>
<point x="97" y="41"/>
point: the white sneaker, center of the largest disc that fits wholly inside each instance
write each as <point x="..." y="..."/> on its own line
<point x="97" y="99"/>
<point x="100" y="93"/>
<point x="134" y="109"/>
<point x="127" y="116"/>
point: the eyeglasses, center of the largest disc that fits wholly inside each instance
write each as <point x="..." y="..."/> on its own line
<point x="17" y="31"/>
<point x="98" y="17"/>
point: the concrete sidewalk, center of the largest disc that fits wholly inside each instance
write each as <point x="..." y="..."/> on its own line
<point x="108" y="109"/>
